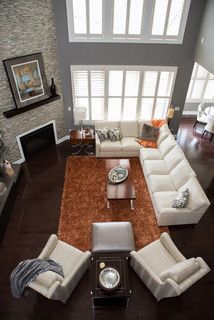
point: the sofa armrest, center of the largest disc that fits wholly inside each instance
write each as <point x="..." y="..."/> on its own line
<point x="49" y="247"/>
<point x="171" y="247"/>
<point x="97" y="142"/>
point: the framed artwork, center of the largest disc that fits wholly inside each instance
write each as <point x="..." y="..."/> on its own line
<point x="27" y="79"/>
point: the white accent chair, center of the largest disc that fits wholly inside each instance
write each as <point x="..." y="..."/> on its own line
<point x="164" y="270"/>
<point x="209" y="128"/>
<point x="201" y="116"/>
<point x="74" y="263"/>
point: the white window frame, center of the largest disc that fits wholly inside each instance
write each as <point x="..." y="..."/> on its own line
<point x="108" y="68"/>
<point x="195" y="77"/>
<point x="146" y="25"/>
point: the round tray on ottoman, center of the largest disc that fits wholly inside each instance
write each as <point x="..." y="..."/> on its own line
<point x="118" y="174"/>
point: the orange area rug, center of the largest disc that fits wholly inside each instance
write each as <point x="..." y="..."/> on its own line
<point x="84" y="202"/>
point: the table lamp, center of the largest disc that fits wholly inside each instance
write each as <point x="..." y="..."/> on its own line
<point x="80" y="114"/>
<point x="170" y="113"/>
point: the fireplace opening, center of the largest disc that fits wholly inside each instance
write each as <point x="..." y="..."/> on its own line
<point x="37" y="141"/>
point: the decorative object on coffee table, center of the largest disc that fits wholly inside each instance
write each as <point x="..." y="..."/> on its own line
<point x="109" y="279"/>
<point x="118" y="174"/>
<point x="27" y="79"/>
<point x="120" y="191"/>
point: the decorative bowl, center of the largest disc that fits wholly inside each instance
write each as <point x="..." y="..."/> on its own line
<point x="118" y="174"/>
<point x="109" y="279"/>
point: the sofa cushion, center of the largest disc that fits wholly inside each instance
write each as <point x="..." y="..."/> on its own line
<point x="163" y="133"/>
<point x="114" y="134"/>
<point x="163" y="200"/>
<point x="181" y="173"/>
<point x="181" y="270"/>
<point x="159" y="183"/>
<point x="166" y="145"/>
<point x="130" y="144"/>
<point x="173" y="158"/>
<point x="129" y="128"/>
<point x="197" y="198"/>
<point x="149" y="133"/>
<point x="150" y="154"/>
<point x="108" y="124"/>
<point x="102" y="134"/>
<point x="155" y="167"/>
<point x="109" y="146"/>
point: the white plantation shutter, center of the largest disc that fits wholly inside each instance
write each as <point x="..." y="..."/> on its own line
<point x="95" y="14"/>
<point x="132" y="83"/>
<point x="209" y="91"/>
<point x="80" y="79"/>
<point x="79" y="16"/>
<point x="124" y="92"/>
<point x="119" y="17"/>
<point x="175" y="15"/>
<point x="115" y="83"/>
<point x="159" y="18"/>
<point x="135" y="17"/>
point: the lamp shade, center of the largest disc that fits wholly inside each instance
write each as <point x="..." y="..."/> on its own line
<point x="80" y="113"/>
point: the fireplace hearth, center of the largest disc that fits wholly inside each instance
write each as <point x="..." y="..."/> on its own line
<point x="37" y="140"/>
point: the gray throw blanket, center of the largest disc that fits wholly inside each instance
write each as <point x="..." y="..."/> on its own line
<point x="27" y="271"/>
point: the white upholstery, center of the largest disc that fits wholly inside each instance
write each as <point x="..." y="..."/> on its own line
<point x="155" y="167"/>
<point x="162" y="255"/>
<point x="130" y="144"/>
<point x="163" y="133"/>
<point x="181" y="173"/>
<point x="129" y="128"/>
<point x="109" y="146"/>
<point x="107" y="124"/>
<point x="167" y="172"/>
<point x="201" y="116"/>
<point x="210" y="125"/>
<point x="166" y="145"/>
<point x="74" y="263"/>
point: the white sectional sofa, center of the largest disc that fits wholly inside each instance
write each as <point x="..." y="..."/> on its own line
<point x="166" y="170"/>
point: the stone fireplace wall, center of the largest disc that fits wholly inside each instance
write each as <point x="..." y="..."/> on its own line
<point x="28" y="27"/>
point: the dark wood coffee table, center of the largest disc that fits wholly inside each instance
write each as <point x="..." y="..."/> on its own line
<point x="121" y="191"/>
<point x="119" y="261"/>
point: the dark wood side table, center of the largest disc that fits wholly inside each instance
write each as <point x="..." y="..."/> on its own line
<point x="119" y="296"/>
<point x="82" y="142"/>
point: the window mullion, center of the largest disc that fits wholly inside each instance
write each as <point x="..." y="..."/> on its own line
<point x="167" y="18"/>
<point x="205" y="86"/>
<point x="123" y="94"/>
<point x="140" y="88"/>
<point x="156" y="94"/>
<point x="89" y="95"/>
<point x="87" y="17"/>
<point x="127" y="19"/>
<point x="106" y="97"/>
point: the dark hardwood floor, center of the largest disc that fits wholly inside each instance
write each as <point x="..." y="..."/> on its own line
<point x="35" y="216"/>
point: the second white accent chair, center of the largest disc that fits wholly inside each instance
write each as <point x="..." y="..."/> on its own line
<point x="209" y="128"/>
<point x="164" y="270"/>
<point x="201" y="116"/>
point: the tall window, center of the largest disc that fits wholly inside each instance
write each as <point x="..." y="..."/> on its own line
<point x="123" y="93"/>
<point x="201" y="87"/>
<point x="127" y="20"/>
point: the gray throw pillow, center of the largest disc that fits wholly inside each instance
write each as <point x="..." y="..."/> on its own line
<point x="181" y="200"/>
<point x="149" y="133"/>
<point x="102" y="134"/>
<point x="114" y="134"/>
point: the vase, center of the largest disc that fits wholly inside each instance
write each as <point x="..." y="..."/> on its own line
<point x="53" y="87"/>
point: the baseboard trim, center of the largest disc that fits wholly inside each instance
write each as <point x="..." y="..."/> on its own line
<point x="21" y="160"/>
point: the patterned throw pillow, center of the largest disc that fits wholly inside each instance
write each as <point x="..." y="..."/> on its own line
<point x="149" y="133"/>
<point x="102" y="134"/>
<point x="114" y="134"/>
<point x="181" y="200"/>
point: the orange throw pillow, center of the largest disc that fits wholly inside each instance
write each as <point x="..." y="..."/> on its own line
<point x="158" y="123"/>
<point x="147" y="144"/>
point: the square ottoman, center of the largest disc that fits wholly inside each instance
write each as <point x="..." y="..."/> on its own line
<point x="112" y="237"/>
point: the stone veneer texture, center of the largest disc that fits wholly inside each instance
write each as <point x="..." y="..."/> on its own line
<point x="27" y="27"/>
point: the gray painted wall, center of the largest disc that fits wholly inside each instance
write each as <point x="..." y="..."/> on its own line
<point x="28" y="27"/>
<point x="129" y="54"/>
<point x="205" y="51"/>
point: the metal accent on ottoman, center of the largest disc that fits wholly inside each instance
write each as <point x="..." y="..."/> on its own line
<point x="112" y="237"/>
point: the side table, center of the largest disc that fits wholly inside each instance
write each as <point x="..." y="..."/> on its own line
<point x="120" y="295"/>
<point x="82" y="143"/>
